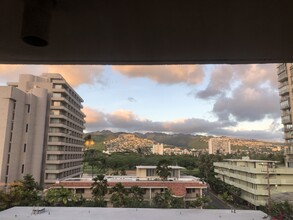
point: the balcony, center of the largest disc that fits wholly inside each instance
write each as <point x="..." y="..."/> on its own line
<point x="282" y="76"/>
<point x="285" y="104"/>
<point x="288" y="136"/>
<point x="286" y="119"/>
<point x="284" y="90"/>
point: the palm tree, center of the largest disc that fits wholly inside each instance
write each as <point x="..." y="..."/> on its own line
<point x="99" y="190"/>
<point x="60" y="197"/>
<point x="135" y="197"/>
<point x="163" y="199"/>
<point x="163" y="169"/>
<point x="119" y="195"/>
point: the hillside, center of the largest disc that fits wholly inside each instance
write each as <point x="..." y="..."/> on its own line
<point x="130" y="141"/>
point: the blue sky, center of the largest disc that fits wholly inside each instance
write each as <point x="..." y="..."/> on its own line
<point x="234" y="100"/>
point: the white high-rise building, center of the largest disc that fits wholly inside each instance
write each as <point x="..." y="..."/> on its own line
<point x="219" y="146"/>
<point x="41" y="129"/>
<point x="158" y="149"/>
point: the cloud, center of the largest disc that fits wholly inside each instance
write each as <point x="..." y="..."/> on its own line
<point x="220" y="82"/>
<point x="75" y="75"/>
<point x="248" y="104"/>
<point x="251" y="134"/>
<point x="164" y="74"/>
<point x="243" y="92"/>
<point x="123" y="120"/>
<point x="131" y="99"/>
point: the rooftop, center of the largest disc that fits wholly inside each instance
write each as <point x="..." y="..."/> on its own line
<point x="177" y="187"/>
<point x="86" y="213"/>
<point x="249" y="160"/>
<point x="154" y="167"/>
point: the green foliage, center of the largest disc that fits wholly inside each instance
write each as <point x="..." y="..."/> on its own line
<point x="281" y="210"/>
<point x="60" y="197"/>
<point x="25" y="193"/>
<point x="135" y="197"/>
<point x="227" y="197"/>
<point x="163" y="170"/>
<point x="177" y="203"/>
<point x="119" y="195"/>
<point x="99" y="190"/>
<point x="163" y="199"/>
<point x="200" y="202"/>
<point x="206" y="167"/>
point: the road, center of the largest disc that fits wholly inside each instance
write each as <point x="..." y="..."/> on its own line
<point x="216" y="202"/>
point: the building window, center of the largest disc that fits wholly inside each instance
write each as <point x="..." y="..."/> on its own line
<point x="8" y="158"/>
<point x="190" y="190"/>
<point x="7" y="170"/>
<point x="150" y="172"/>
<point x="10" y="136"/>
<point x="22" y="168"/>
<point x="24" y="148"/>
<point x="26" y="128"/>
<point x="6" y="180"/>
<point x="79" y="191"/>
<point x="28" y="108"/>
<point x="9" y="148"/>
<point x="12" y="126"/>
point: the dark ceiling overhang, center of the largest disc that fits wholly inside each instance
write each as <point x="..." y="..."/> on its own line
<point x="154" y="32"/>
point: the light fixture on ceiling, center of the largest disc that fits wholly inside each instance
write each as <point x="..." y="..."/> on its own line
<point x="36" y="22"/>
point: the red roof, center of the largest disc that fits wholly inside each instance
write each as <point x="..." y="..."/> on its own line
<point x="178" y="188"/>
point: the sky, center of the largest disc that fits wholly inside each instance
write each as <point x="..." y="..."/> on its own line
<point x="222" y="100"/>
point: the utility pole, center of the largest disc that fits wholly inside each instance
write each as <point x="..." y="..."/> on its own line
<point x="269" y="191"/>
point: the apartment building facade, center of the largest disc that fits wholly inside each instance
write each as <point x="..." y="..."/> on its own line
<point x="285" y="74"/>
<point x="41" y="129"/>
<point x="187" y="187"/>
<point x="219" y="146"/>
<point x="257" y="179"/>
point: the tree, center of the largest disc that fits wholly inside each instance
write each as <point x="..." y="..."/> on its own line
<point x="200" y="202"/>
<point x="163" y="199"/>
<point x="99" y="190"/>
<point x="60" y="197"/>
<point x="163" y="169"/>
<point x="177" y="203"/>
<point x="282" y="210"/>
<point x="135" y="197"/>
<point x="25" y="192"/>
<point x="119" y="195"/>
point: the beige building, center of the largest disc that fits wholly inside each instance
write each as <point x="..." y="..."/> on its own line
<point x="219" y="146"/>
<point x="187" y="187"/>
<point x="285" y="73"/>
<point x="41" y="129"/>
<point x="158" y="149"/>
<point x="256" y="178"/>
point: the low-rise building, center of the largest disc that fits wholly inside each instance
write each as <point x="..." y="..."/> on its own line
<point x="257" y="179"/>
<point x="187" y="187"/>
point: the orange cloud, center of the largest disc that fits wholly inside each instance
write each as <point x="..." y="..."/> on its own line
<point x="165" y="74"/>
<point x="75" y="75"/>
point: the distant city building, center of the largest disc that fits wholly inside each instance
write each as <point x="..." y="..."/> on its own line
<point x="158" y="149"/>
<point x="187" y="187"/>
<point x="289" y="156"/>
<point x="41" y="129"/>
<point x="285" y="73"/>
<point x="257" y="179"/>
<point x="219" y="146"/>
